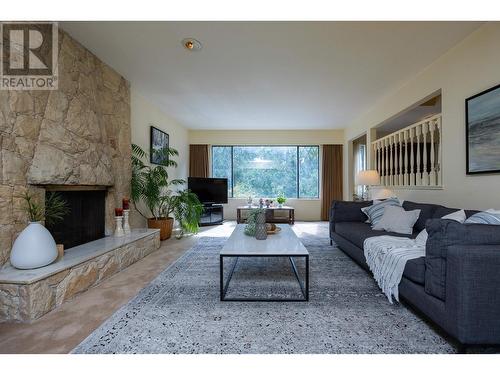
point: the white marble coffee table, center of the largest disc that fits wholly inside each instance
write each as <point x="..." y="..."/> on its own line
<point x="283" y="244"/>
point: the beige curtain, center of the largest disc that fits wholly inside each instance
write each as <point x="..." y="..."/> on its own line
<point x="331" y="185"/>
<point x="198" y="161"/>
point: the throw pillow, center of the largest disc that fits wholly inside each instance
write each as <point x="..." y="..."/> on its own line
<point x="376" y="210"/>
<point x="396" y="219"/>
<point x="490" y="216"/>
<point x="457" y="216"/>
<point x="421" y="239"/>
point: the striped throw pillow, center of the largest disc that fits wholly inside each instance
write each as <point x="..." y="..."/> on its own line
<point x="376" y="210"/>
<point x="491" y="217"/>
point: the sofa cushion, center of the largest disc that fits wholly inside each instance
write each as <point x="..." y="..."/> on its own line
<point x="415" y="270"/>
<point x="487" y="217"/>
<point x="457" y="216"/>
<point x="376" y="210"/>
<point x="426" y="212"/>
<point x="444" y="234"/>
<point x="348" y="211"/>
<point x="350" y="249"/>
<point x="358" y="232"/>
<point x="443" y="211"/>
<point x="396" y="219"/>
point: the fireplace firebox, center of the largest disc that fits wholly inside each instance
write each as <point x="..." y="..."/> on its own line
<point x="85" y="221"/>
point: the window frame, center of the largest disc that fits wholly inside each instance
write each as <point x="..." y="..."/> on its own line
<point x="297" y="148"/>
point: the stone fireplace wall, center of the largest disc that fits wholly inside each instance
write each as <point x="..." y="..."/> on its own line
<point x="76" y="135"/>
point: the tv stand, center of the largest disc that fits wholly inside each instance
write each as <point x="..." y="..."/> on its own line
<point x="213" y="214"/>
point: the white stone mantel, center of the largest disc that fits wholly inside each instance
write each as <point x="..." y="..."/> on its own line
<point x="72" y="257"/>
<point x="26" y="295"/>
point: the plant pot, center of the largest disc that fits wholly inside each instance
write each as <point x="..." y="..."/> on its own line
<point x="33" y="248"/>
<point x="164" y="225"/>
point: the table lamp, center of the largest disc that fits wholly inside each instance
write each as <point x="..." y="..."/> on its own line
<point x="368" y="178"/>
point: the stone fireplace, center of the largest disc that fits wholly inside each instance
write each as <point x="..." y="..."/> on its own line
<point x="75" y="140"/>
<point x="76" y="136"/>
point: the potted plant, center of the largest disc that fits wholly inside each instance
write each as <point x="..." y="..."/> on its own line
<point x="255" y="217"/>
<point x="151" y="185"/>
<point x="281" y="200"/>
<point x="35" y="247"/>
<point x="187" y="209"/>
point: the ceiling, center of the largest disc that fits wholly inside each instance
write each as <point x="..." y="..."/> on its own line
<point x="268" y="75"/>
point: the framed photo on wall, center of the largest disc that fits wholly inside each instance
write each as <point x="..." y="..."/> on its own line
<point x="158" y="143"/>
<point x="482" y="116"/>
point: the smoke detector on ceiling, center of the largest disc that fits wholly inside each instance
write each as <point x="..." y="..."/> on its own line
<point x="191" y="44"/>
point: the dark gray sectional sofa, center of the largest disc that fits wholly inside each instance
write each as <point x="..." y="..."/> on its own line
<point x="456" y="285"/>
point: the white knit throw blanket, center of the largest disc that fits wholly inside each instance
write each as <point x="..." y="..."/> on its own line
<point x="387" y="256"/>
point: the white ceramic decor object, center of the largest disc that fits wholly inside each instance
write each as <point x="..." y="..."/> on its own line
<point x="33" y="248"/>
<point x="126" y="224"/>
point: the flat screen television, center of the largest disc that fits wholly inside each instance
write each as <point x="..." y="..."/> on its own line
<point x="209" y="190"/>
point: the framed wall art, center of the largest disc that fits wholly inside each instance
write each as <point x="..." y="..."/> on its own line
<point x="158" y="144"/>
<point x="482" y="114"/>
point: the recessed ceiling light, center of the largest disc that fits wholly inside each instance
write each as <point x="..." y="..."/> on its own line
<point x="191" y="44"/>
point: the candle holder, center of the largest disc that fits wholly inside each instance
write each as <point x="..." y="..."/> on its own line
<point x="125" y="203"/>
<point x="126" y="225"/>
<point x="119" y="226"/>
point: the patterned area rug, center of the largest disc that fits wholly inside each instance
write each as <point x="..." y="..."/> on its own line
<point x="181" y="312"/>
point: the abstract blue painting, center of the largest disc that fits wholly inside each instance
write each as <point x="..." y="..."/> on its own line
<point x="483" y="132"/>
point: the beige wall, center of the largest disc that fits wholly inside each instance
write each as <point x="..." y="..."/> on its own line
<point x="469" y="68"/>
<point x="143" y="115"/>
<point x="305" y="209"/>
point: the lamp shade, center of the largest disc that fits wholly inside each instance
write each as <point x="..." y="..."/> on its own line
<point x="369" y="177"/>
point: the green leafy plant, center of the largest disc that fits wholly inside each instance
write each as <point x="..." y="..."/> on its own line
<point x="187" y="210"/>
<point x="151" y="185"/>
<point x="281" y="199"/>
<point x="252" y="220"/>
<point x="56" y="208"/>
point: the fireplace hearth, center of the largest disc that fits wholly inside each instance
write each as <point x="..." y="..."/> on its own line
<point x="85" y="221"/>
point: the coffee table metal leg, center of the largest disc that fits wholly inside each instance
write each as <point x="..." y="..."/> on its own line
<point x="304" y="287"/>
<point x="307" y="277"/>
<point x="223" y="287"/>
<point x="294" y="268"/>
<point x="221" y="277"/>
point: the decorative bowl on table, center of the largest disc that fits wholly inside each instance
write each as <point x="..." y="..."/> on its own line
<point x="272" y="228"/>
